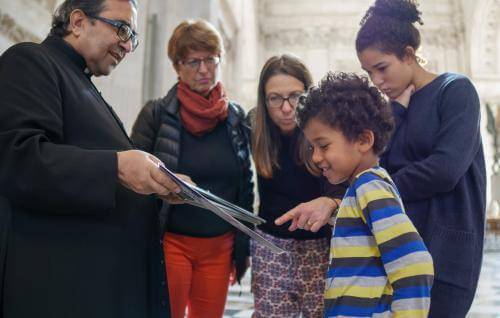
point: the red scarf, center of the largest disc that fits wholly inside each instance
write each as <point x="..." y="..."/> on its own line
<point x="200" y="115"/>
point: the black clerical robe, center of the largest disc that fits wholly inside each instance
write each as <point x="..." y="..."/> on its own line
<point x="78" y="244"/>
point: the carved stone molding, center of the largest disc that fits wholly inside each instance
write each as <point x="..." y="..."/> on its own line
<point x="311" y="38"/>
<point x="13" y="31"/>
<point x="445" y="37"/>
<point x="323" y="36"/>
<point x="49" y="5"/>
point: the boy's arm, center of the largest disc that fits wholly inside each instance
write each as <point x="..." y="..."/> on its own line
<point x="405" y="258"/>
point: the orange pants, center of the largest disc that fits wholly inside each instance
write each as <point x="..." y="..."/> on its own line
<point x="198" y="271"/>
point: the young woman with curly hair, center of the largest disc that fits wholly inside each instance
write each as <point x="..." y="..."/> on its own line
<point x="435" y="156"/>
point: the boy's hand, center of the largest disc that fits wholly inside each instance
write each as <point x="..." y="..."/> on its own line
<point x="310" y="216"/>
<point x="404" y="98"/>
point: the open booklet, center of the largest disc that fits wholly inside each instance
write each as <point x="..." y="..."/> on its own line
<point x="230" y="212"/>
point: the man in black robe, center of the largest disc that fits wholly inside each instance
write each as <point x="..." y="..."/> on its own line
<point x="80" y="234"/>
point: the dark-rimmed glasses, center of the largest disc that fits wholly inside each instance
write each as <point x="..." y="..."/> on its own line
<point x="123" y="30"/>
<point x="194" y="64"/>
<point x="276" y="101"/>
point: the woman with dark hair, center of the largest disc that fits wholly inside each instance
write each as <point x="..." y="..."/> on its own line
<point x="292" y="284"/>
<point x="197" y="131"/>
<point x="435" y="157"/>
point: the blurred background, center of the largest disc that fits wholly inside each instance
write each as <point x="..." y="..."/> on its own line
<point x="458" y="36"/>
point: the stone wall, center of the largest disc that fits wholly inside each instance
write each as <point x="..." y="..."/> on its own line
<point x="457" y="35"/>
<point x="23" y="20"/>
<point x="482" y="29"/>
<point x="323" y="33"/>
<point x="147" y="73"/>
<point x="235" y="20"/>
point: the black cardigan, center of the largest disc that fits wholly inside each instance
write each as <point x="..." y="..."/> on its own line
<point x="436" y="161"/>
<point x="157" y="130"/>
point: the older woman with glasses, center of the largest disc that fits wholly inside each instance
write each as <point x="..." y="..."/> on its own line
<point x="287" y="285"/>
<point x="195" y="130"/>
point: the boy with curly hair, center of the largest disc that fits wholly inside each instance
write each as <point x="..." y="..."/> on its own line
<point x="379" y="264"/>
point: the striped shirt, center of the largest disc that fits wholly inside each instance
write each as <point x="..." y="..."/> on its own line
<point x="379" y="265"/>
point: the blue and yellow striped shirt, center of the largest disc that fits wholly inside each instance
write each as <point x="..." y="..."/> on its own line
<point x="379" y="264"/>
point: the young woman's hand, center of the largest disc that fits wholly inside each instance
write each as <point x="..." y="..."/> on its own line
<point x="404" y="98"/>
<point x="310" y="216"/>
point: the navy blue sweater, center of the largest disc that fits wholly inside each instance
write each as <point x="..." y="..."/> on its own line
<point x="436" y="160"/>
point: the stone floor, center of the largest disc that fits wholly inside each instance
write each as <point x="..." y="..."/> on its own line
<point x="240" y="300"/>
<point x="486" y="303"/>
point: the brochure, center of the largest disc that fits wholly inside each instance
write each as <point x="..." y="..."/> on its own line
<point x="229" y="212"/>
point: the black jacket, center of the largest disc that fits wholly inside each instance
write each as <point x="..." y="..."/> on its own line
<point x="157" y="130"/>
<point x="80" y="244"/>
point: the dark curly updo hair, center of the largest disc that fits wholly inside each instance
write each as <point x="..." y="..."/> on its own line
<point x="347" y="102"/>
<point x="388" y="25"/>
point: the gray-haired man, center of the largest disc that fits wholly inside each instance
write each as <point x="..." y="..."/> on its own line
<point x="83" y="240"/>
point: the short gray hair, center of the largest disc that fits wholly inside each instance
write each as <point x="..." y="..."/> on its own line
<point x="60" y="19"/>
